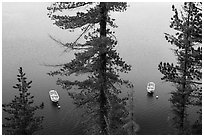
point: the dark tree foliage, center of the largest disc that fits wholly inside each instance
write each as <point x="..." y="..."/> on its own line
<point x="187" y="73"/>
<point x="98" y="59"/>
<point x="21" y="119"/>
<point x="179" y="108"/>
<point x="131" y="127"/>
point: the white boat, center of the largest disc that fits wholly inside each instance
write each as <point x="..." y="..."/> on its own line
<point x="54" y="96"/>
<point x="150" y="87"/>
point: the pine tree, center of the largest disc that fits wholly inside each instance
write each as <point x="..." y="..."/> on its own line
<point x="96" y="58"/>
<point x="131" y="126"/>
<point x="187" y="73"/>
<point x="21" y="119"/>
<point x="179" y="108"/>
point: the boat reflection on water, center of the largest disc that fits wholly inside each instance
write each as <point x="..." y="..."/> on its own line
<point x="150" y="98"/>
<point x="150" y="95"/>
<point x="56" y="105"/>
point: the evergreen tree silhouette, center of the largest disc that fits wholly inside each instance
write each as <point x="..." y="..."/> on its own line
<point x="97" y="58"/>
<point x="186" y="75"/>
<point x="22" y="119"/>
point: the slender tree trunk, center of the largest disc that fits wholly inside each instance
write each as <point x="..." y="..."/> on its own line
<point x="102" y="73"/>
<point x="185" y="93"/>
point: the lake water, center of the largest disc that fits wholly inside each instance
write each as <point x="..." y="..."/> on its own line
<point x="25" y="42"/>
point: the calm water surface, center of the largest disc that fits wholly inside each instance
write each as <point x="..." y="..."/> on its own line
<point x="26" y="43"/>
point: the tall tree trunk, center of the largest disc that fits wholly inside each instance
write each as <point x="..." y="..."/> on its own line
<point x="185" y="93"/>
<point x="102" y="73"/>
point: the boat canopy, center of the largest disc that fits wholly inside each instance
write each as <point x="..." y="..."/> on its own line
<point x="150" y="86"/>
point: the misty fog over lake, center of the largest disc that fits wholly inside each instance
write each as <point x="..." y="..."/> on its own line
<point x="26" y="42"/>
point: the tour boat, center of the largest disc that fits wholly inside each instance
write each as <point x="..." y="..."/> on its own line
<point x="150" y="87"/>
<point x="54" y="96"/>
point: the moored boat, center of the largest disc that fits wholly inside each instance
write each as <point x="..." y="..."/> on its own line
<point x="150" y="87"/>
<point x="54" y="96"/>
